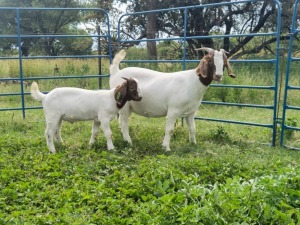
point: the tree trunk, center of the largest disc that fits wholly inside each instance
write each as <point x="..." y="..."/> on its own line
<point x="151" y="30"/>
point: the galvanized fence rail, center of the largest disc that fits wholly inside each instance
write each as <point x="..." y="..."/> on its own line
<point x="19" y="36"/>
<point x="184" y="38"/>
<point x="290" y="106"/>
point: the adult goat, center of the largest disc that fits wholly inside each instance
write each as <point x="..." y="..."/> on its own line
<point x="173" y="95"/>
<point x="76" y="104"/>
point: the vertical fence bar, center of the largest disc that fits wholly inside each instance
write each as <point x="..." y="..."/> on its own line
<point x="287" y="76"/>
<point x="20" y="61"/>
<point x="275" y="119"/>
<point x="184" y="40"/>
<point x="108" y="38"/>
<point x="99" y="58"/>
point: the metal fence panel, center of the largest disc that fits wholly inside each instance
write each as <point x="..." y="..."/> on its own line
<point x="17" y="36"/>
<point x="184" y="38"/>
<point x="289" y="106"/>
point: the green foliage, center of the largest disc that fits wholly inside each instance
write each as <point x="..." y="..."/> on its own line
<point x="292" y="122"/>
<point x="220" y="135"/>
<point x="170" y="50"/>
<point x="214" y="183"/>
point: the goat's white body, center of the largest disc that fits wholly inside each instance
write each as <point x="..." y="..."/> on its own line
<point x="75" y="104"/>
<point x="164" y="94"/>
<point x="180" y="91"/>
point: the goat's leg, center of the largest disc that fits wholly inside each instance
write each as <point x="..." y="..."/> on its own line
<point x="123" y="120"/>
<point x="57" y="134"/>
<point x="192" y="128"/>
<point x="170" y="123"/>
<point x="95" y="131"/>
<point x="107" y="133"/>
<point x="49" y="133"/>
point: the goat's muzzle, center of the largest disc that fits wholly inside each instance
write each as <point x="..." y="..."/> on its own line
<point x="136" y="98"/>
<point x="218" y="77"/>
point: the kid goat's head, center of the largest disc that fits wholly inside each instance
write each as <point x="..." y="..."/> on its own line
<point x="212" y="65"/>
<point x="127" y="91"/>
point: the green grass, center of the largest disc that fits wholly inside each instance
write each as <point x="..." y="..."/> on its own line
<point x="232" y="176"/>
<point x="227" y="178"/>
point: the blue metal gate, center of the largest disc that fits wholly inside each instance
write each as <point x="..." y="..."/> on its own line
<point x="184" y="38"/>
<point x="292" y="87"/>
<point x="18" y="37"/>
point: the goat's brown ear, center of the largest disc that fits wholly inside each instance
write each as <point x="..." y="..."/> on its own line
<point x="228" y="67"/>
<point x="201" y="69"/>
<point x="120" y="93"/>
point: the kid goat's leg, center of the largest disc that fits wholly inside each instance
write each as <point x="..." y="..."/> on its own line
<point x="57" y="134"/>
<point x="95" y="131"/>
<point x="51" y="128"/>
<point x="192" y="128"/>
<point x="170" y="123"/>
<point x="123" y="120"/>
<point x="107" y="133"/>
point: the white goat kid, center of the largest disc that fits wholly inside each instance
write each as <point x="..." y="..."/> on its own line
<point x="75" y="104"/>
<point x="173" y="95"/>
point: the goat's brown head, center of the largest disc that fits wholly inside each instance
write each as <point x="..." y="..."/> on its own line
<point x="127" y="91"/>
<point x="212" y="65"/>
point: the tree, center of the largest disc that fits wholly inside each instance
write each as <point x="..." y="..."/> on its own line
<point x="43" y="22"/>
<point x="239" y="18"/>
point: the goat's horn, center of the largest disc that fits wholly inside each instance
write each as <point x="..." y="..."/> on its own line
<point x="125" y="78"/>
<point x="224" y="51"/>
<point x="204" y="49"/>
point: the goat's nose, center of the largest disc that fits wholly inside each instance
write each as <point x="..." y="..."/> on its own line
<point x="219" y="76"/>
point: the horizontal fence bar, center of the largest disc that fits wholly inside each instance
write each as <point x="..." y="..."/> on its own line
<point x="292" y="128"/>
<point x="19" y="108"/>
<point x="243" y="86"/>
<point x="293" y="87"/>
<point x="54" y="77"/>
<point x="198" y="37"/>
<point x="53" y="36"/>
<point x="52" y="9"/>
<point x="58" y="57"/>
<point x="295" y="59"/>
<point x="235" y="122"/>
<point x="238" y="104"/>
<point x="197" y="61"/>
<point x="291" y="147"/>
<point x="186" y="7"/>
<point x="292" y="107"/>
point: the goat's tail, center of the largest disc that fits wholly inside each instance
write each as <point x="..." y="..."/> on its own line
<point x="35" y="92"/>
<point x="114" y="67"/>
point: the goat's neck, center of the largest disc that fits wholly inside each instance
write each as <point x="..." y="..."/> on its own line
<point x="205" y="80"/>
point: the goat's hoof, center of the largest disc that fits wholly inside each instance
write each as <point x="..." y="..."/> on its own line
<point x="168" y="149"/>
<point x="110" y="148"/>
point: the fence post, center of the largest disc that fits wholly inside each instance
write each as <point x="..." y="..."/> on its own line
<point x="20" y="62"/>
